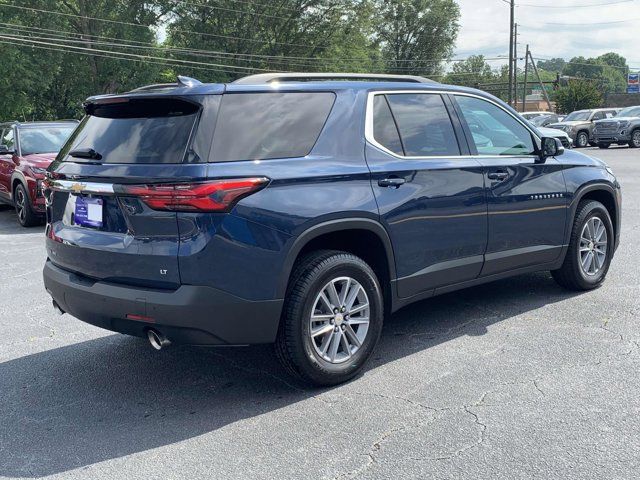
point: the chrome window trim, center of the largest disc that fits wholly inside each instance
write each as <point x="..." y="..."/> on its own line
<point x="368" y="131"/>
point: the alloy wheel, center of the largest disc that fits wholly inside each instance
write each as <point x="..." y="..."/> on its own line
<point x="582" y="140"/>
<point x="593" y="246"/>
<point x="635" y="139"/>
<point x="21" y="205"/>
<point x="339" y="320"/>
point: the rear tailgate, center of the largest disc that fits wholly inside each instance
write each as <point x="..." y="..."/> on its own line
<point x="94" y="226"/>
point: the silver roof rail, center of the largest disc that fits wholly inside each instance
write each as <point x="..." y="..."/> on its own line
<point x="309" y="77"/>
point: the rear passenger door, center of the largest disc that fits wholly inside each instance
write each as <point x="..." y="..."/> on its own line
<point x="527" y="202"/>
<point x="430" y="192"/>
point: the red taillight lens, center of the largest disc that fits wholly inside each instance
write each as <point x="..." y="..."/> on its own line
<point x="212" y="196"/>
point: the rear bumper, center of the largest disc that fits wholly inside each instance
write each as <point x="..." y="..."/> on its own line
<point x="193" y="315"/>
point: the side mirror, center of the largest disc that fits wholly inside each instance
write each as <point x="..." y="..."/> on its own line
<point x="551" y="147"/>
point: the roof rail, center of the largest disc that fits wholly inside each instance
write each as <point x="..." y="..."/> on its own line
<point x="306" y="77"/>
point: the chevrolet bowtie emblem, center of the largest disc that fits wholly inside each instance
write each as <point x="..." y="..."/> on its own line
<point x="77" y="187"/>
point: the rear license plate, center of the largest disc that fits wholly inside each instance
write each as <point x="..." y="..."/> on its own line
<point x="88" y="212"/>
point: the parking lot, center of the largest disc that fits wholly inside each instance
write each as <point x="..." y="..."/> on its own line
<point x="516" y="379"/>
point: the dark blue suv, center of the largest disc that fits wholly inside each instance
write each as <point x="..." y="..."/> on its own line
<point x="301" y="209"/>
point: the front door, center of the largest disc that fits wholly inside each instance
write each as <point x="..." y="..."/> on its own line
<point x="6" y="163"/>
<point x="430" y="192"/>
<point x="527" y="202"/>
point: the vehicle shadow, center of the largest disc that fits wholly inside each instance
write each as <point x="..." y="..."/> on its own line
<point x="110" y="397"/>
<point x="9" y="223"/>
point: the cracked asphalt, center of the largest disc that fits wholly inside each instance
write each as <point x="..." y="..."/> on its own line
<point x="517" y="379"/>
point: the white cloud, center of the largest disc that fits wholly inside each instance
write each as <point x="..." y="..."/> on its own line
<point x="484" y="29"/>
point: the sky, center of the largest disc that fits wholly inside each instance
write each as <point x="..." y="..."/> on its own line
<point x="484" y="28"/>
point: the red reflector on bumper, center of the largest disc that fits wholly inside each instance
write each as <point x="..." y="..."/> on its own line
<point x="139" y="318"/>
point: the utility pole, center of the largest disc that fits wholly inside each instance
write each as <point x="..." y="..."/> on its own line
<point x="512" y="22"/>
<point x="515" y="66"/>
<point x="526" y="74"/>
<point x="544" y="90"/>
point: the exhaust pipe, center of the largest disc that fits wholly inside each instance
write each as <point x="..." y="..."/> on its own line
<point x="57" y="308"/>
<point x="157" y="340"/>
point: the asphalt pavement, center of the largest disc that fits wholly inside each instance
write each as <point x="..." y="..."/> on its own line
<point x="518" y="379"/>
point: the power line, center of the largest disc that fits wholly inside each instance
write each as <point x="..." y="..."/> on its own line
<point x="186" y="63"/>
<point x="125" y="43"/>
<point x="147" y="27"/>
<point x="115" y="57"/>
<point x="532" y="5"/>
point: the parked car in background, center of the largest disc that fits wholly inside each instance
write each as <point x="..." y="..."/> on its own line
<point x="545" y="119"/>
<point x="579" y="124"/>
<point x="531" y="115"/>
<point x="623" y="129"/>
<point x="26" y="150"/>
<point x="564" y="137"/>
<point x="303" y="214"/>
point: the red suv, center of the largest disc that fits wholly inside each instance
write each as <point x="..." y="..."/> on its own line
<point x="26" y="150"/>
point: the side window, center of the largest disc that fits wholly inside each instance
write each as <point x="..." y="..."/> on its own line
<point x="610" y="114"/>
<point x="494" y="131"/>
<point x="260" y="126"/>
<point x="7" y="138"/>
<point x="597" y="116"/>
<point x="424" y="124"/>
<point x="385" y="131"/>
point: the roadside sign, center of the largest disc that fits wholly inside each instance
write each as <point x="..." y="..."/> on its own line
<point x="633" y="83"/>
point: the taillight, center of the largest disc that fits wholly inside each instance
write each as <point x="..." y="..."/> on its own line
<point x="212" y="196"/>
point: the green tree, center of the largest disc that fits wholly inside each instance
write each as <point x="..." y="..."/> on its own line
<point x="607" y="70"/>
<point x="553" y="65"/>
<point x="416" y="36"/>
<point x="578" y="95"/>
<point x="57" y="60"/>
<point x="471" y="72"/>
<point x="304" y="35"/>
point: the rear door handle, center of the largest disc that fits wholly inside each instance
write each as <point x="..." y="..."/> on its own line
<point x="500" y="175"/>
<point x="394" y="182"/>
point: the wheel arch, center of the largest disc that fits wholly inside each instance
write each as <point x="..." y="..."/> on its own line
<point x="363" y="237"/>
<point x="601" y="192"/>
<point x="18" y="177"/>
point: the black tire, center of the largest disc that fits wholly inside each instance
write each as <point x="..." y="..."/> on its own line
<point x="582" y="139"/>
<point x="571" y="274"/>
<point x="22" y="204"/>
<point x="294" y="346"/>
<point x="604" y="145"/>
<point x="635" y="139"/>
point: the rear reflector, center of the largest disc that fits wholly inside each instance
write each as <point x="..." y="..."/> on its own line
<point x="139" y="318"/>
<point x="212" y="196"/>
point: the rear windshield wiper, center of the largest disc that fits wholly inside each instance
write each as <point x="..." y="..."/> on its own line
<point x="89" y="153"/>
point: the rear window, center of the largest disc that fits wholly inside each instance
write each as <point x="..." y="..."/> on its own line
<point x="136" y="131"/>
<point x="260" y="126"/>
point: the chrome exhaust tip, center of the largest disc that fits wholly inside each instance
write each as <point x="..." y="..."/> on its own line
<point x="157" y="340"/>
<point x="57" y="308"/>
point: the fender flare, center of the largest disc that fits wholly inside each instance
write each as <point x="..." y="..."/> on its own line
<point x="331" y="226"/>
<point x="579" y="195"/>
